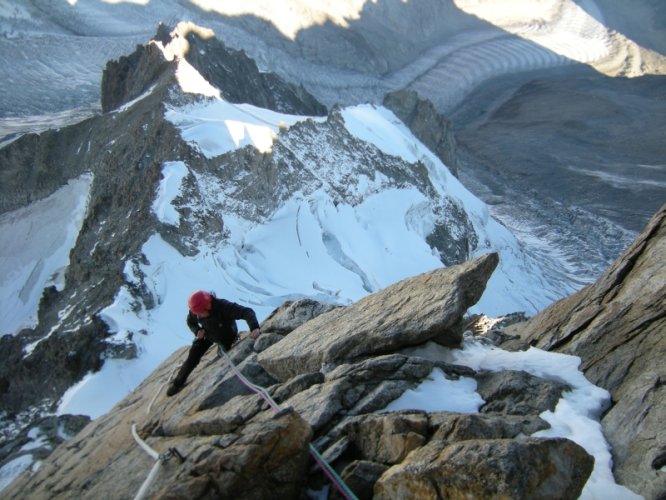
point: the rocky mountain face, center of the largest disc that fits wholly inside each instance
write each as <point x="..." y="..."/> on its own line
<point x="331" y="368"/>
<point x="230" y="70"/>
<point x="617" y="326"/>
<point x="426" y="123"/>
<point x="125" y="160"/>
<point x="125" y="150"/>
<point x="328" y="377"/>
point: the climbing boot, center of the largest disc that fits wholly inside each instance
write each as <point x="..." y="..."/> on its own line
<point x="173" y="388"/>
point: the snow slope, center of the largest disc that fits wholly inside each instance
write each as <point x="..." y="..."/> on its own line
<point x="34" y="251"/>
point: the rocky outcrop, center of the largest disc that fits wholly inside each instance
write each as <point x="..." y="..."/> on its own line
<point x="293" y="314"/>
<point x="130" y="76"/>
<point x="38" y="441"/>
<point x="54" y="365"/>
<point x="486" y="469"/>
<point x="231" y="71"/>
<point x="407" y="313"/>
<point x="218" y="438"/>
<point x="36" y="165"/>
<point x="240" y="80"/>
<point x="616" y="326"/>
<point x="504" y="392"/>
<point x="266" y="458"/>
<point x="426" y="123"/>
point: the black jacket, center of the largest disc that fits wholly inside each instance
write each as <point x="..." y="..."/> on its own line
<point x="220" y="325"/>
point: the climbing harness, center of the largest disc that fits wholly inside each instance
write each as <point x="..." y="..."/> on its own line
<point x="328" y="470"/>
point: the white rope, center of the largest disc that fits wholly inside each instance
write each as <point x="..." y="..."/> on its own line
<point x="159" y="391"/>
<point x="328" y="470"/>
<point x="261" y="391"/>
<point x="154" y="455"/>
<point x="156" y="467"/>
<point x="141" y="494"/>
<point x="144" y="445"/>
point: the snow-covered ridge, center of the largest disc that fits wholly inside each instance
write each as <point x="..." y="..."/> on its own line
<point x="207" y="126"/>
<point x="220" y="126"/>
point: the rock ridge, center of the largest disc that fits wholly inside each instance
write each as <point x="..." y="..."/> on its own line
<point x="396" y="317"/>
<point x="426" y="123"/>
<point x="616" y="326"/>
<point x="231" y="71"/>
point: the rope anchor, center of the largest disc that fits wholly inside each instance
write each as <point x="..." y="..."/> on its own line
<point x="171" y="452"/>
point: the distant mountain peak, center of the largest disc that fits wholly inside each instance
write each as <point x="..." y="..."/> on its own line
<point x="201" y="64"/>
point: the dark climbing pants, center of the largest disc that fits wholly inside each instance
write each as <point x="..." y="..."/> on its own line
<point x="198" y="349"/>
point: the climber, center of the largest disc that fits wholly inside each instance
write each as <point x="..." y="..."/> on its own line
<point x="211" y="320"/>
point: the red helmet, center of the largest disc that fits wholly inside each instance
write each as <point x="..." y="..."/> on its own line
<point x="199" y="302"/>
